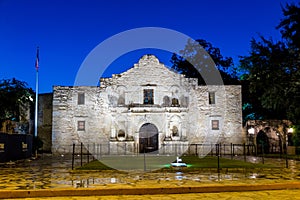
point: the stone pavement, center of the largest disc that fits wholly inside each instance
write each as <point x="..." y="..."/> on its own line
<point x="49" y="173"/>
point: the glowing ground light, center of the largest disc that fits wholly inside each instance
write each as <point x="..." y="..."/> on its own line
<point x="170" y="166"/>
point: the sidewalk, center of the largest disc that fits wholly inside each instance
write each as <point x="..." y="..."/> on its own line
<point x="160" y="189"/>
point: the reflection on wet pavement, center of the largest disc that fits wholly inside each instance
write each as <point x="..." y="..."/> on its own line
<point x="55" y="172"/>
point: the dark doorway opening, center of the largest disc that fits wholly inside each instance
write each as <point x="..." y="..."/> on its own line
<point x="262" y="142"/>
<point x="148" y="138"/>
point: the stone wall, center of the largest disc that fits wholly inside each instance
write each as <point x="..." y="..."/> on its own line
<point x="273" y="133"/>
<point x="45" y="121"/>
<point x="116" y="111"/>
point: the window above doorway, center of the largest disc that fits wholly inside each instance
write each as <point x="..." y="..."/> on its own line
<point x="148" y="96"/>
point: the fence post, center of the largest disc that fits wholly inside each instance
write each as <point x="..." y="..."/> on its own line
<point x="73" y="156"/>
<point x="100" y="150"/>
<point x="256" y="149"/>
<point x="88" y="153"/>
<point x="244" y="152"/>
<point x="218" y="153"/>
<point x="286" y="157"/>
<point x="263" y="159"/>
<point x="108" y="148"/>
<point x="81" y="154"/>
<point x="125" y="147"/>
<point x="97" y="151"/>
<point x="94" y="151"/>
<point x="248" y="149"/>
<point x="231" y="151"/>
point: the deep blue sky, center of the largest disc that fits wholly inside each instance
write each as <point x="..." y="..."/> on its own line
<point x="66" y="31"/>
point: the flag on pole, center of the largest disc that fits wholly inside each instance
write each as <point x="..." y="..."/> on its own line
<point x="37" y="59"/>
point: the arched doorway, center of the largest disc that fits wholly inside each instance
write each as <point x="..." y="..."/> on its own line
<point x="262" y="142"/>
<point x="148" y="138"/>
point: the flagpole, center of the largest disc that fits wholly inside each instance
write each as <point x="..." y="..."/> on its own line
<point x="36" y="103"/>
<point x="36" y="93"/>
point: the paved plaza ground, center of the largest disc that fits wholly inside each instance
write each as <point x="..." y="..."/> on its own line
<point x="49" y="173"/>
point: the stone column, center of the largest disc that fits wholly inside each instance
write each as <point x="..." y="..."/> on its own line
<point x="113" y="134"/>
<point x="113" y="131"/>
<point x="167" y="129"/>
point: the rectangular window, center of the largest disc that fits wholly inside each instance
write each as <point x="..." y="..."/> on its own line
<point x="148" y="96"/>
<point x="81" y="125"/>
<point x="215" y="124"/>
<point x="211" y="97"/>
<point x="80" y="98"/>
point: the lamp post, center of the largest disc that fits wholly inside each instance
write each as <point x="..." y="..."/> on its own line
<point x="289" y="131"/>
<point x="251" y="132"/>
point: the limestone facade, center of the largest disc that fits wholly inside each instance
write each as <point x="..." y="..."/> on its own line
<point x="45" y="121"/>
<point x="147" y="108"/>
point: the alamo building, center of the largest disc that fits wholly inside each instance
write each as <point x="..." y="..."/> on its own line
<point x="148" y="108"/>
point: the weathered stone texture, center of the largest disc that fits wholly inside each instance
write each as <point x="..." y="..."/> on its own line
<point x="45" y="121"/>
<point x="115" y="111"/>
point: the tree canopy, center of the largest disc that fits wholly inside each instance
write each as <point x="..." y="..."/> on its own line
<point x="273" y="77"/>
<point x="289" y="25"/>
<point x="15" y="98"/>
<point x="271" y="82"/>
<point x="198" y="52"/>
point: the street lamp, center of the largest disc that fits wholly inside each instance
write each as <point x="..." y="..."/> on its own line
<point x="251" y="132"/>
<point x="289" y="131"/>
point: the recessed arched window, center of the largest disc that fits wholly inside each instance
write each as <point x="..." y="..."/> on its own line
<point x="184" y="101"/>
<point x="121" y="134"/>
<point x="166" y="101"/>
<point x="121" y="100"/>
<point x="175" y="102"/>
<point x="175" y="131"/>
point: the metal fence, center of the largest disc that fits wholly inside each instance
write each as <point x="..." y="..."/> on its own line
<point x="171" y="149"/>
<point x="86" y="153"/>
